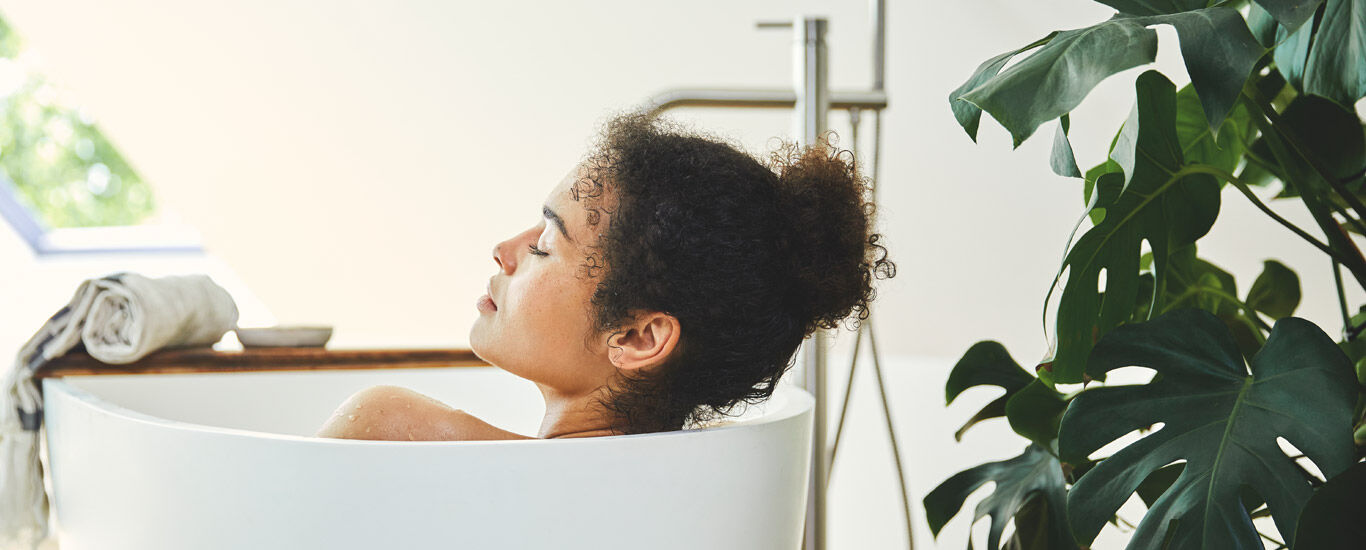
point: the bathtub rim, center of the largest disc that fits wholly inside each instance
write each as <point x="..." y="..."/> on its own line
<point x="795" y="402"/>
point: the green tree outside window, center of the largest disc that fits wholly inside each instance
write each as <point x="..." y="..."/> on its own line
<point x="62" y="167"/>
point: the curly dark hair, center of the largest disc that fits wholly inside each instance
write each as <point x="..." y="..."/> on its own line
<point x="750" y="258"/>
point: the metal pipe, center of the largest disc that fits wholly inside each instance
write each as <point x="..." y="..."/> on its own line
<point x="844" y="408"/>
<point x="891" y="435"/>
<point x="879" y="9"/>
<point x="757" y="98"/>
<point x="812" y="101"/>
<point x="812" y="106"/>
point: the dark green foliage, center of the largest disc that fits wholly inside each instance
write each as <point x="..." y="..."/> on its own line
<point x="1054" y="79"/>
<point x="986" y="364"/>
<point x="1219" y="51"/>
<point x="1290" y="13"/>
<point x="1218" y="417"/>
<point x="1335" y="518"/>
<point x="1151" y="200"/>
<point x="1334" y="67"/>
<point x="970" y="115"/>
<point x="1276" y="292"/>
<point x="1271" y="101"/>
<point x="1064" y="163"/>
<point x="1034" y="412"/>
<point x="1034" y="476"/>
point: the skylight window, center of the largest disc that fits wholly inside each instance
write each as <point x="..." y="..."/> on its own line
<point x="63" y="186"/>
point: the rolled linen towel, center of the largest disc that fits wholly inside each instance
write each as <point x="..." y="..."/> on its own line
<point x="120" y="318"/>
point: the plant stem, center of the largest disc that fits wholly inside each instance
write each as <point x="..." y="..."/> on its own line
<point x="1256" y="332"/>
<point x="1313" y="162"/>
<point x="1360" y="227"/>
<point x="1247" y="192"/>
<point x="1342" y="301"/>
<point x="1347" y="215"/>
<point x="1249" y="317"/>
<point x="1213" y="292"/>
<point x="1126" y="523"/>
<point x="1254" y="158"/>
<point x="1273" y="541"/>
<point x="1340" y="242"/>
<point x="1315" y="165"/>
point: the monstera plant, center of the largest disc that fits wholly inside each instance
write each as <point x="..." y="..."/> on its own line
<point x="1250" y="412"/>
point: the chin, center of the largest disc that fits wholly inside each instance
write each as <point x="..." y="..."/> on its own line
<point x="477" y="345"/>
<point x="485" y="349"/>
<point x="489" y="347"/>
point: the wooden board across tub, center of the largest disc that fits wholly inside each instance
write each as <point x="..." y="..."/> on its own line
<point x="206" y="359"/>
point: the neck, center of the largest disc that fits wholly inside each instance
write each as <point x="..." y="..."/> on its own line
<point x="574" y="415"/>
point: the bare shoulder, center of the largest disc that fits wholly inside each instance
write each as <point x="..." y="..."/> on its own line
<point x="474" y="428"/>
<point x="395" y="413"/>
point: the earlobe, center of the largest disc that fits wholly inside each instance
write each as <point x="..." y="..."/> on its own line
<point x="647" y="342"/>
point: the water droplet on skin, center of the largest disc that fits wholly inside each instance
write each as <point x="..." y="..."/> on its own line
<point x="408" y="406"/>
<point x="410" y="436"/>
<point x="352" y="417"/>
<point x="367" y="430"/>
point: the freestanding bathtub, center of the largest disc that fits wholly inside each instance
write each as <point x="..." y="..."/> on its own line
<point x="227" y="461"/>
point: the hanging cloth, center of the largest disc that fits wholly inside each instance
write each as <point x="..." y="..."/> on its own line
<point x="118" y="318"/>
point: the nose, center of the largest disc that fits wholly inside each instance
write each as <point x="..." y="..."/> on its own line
<point x="506" y="262"/>
<point x="507" y="253"/>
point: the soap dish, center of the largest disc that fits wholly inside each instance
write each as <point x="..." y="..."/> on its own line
<point x="287" y="336"/>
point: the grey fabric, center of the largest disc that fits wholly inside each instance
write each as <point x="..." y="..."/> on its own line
<point x="118" y="318"/>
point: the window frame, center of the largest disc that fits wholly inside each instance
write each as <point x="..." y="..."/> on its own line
<point x="112" y="239"/>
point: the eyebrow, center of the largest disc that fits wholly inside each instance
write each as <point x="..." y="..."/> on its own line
<point x="559" y="222"/>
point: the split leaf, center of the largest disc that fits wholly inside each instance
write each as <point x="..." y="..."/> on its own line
<point x="1221" y="420"/>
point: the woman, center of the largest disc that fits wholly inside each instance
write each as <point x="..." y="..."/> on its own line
<point x="671" y="278"/>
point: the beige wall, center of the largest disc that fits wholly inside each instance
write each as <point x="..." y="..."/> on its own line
<point x="352" y="163"/>
<point x="378" y="149"/>
<point x="35" y="288"/>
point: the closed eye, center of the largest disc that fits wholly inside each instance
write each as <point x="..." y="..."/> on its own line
<point x="536" y="251"/>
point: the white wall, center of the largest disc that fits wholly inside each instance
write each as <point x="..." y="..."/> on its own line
<point x="35" y="288"/>
<point x="354" y="162"/>
<point x="325" y="147"/>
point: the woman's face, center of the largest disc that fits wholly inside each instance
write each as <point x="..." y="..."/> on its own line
<point x="536" y="321"/>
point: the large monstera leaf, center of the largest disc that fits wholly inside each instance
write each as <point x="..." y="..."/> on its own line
<point x="1336" y="67"/>
<point x="1029" y="487"/>
<point x="1332" y="519"/>
<point x="986" y="363"/>
<point x="1219" y="51"/>
<point x="1290" y="13"/>
<point x="1146" y="200"/>
<point x="1032" y="407"/>
<point x="1216" y="43"/>
<point x="1053" y="80"/>
<point x="969" y="115"/>
<point x="1220" y="419"/>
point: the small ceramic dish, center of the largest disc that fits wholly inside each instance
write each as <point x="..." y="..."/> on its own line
<point x="290" y="336"/>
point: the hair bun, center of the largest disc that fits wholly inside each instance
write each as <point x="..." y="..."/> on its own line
<point x="834" y="254"/>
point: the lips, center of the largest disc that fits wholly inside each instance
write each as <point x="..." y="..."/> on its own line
<point x="489" y="291"/>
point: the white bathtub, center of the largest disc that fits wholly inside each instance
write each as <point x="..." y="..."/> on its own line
<point x="226" y="461"/>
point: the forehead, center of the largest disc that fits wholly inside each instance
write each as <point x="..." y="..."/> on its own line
<point x="562" y="191"/>
<point x="561" y="201"/>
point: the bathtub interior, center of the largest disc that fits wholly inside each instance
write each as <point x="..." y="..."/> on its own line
<point x="299" y="402"/>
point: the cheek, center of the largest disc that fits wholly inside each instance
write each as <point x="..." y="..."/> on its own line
<point x="541" y="331"/>
<point x="553" y="306"/>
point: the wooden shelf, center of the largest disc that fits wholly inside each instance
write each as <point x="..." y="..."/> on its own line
<point x="206" y="359"/>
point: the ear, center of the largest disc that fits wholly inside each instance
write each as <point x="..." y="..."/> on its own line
<point x="645" y="342"/>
